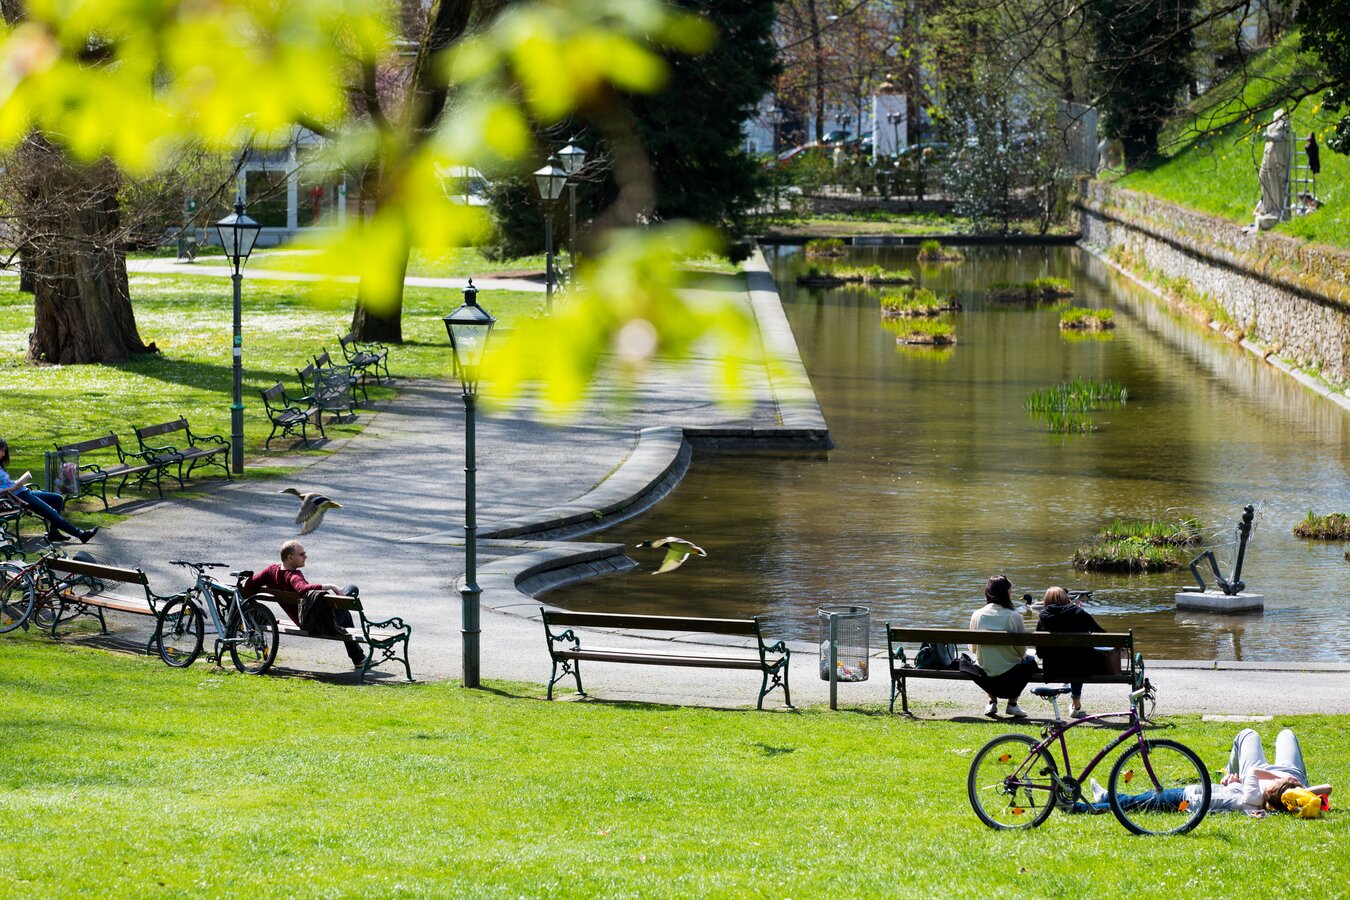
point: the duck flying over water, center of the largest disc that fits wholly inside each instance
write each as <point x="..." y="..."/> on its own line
<point x="677" y="551"/>
<point x="312" y="507"/>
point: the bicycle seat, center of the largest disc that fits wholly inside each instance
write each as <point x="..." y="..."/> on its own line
<point x="1048" y="692"/>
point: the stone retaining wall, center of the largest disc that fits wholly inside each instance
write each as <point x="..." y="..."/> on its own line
<point x="1289" y="296"/>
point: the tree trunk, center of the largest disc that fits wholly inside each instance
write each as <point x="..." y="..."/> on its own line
<point x="380" y="318"/>
<point x="70" y="224"/>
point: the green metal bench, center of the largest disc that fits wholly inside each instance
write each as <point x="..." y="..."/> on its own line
<point x="366" y="358"/>
<point x="211" y="449"/>
<point x="11" y="518"/>
<point x="564" y="647"/>
<point x="343" y="375"/>
<point x="902" y="668"/>
<point x="387" y="639"/>
<point x="290" y="414"/>
<point x="141" y="464"/>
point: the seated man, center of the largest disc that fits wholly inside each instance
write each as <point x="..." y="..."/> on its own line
<point x="46" y="504"/>
<point x="287" y="576"/>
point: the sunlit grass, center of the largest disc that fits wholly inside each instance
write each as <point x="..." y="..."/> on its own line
<point x="1217" y="173"/>
<point x="122" y="777"/>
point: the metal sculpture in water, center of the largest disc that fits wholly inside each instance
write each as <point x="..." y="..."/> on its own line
<point x="1234" y="585"/>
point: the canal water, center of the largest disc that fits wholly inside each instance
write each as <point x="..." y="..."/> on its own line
<point x="940" y="478"/>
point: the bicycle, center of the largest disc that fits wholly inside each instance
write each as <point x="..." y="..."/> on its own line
<point x="247" y="628"/>
<point x="30" y="593"/>
<point x="1015" y="782"/>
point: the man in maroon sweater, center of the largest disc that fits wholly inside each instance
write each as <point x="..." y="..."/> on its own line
<point x="287" y="576"/>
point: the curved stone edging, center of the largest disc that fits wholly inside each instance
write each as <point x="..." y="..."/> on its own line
<point x="655" y="467"/>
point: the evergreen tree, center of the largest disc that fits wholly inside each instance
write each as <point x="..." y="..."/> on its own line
<point x="692" y="130"/>
<point x="1141" y="67"/>
<point x="1326" y="32"/>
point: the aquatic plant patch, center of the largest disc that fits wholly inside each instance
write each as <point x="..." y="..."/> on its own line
<point x="933" y="251"/>
<point x="909" y="302"/>
<point x="1064" y="408"/>
<point x="1329" y="527"/>
<point x="939" y="332"/>
<point x="818" y="276"/>
<point x="1037" y="290"/>
<point x="1147" y="545"/>
<point x="1077" y="318"/>
<point x="825" y="248"/>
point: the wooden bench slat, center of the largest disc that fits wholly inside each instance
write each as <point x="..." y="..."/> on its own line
<point x="660" y="659"/>
<point x="96" y="570"/>
<point x="566" y="652"/>
<point x="1007" y="639"/>
<point x="739" y="627"/>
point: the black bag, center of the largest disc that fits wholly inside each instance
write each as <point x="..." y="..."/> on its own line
<point x="935" y="656"/>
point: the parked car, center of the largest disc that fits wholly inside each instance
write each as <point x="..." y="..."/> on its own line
<point x="800" y="152"/>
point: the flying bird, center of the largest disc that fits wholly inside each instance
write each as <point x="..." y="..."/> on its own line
<point x="677" y="551"/>
<point x="312" y="507"/>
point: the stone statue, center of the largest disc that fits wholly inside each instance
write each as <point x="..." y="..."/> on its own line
<point x="1274" y="174"/>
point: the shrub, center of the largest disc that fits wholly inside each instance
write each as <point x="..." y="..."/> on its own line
<point x="910" y="301"/>
<point x="824" y="248"/>
<point x="1077" y="317"/>
<point x="932" y="251"/>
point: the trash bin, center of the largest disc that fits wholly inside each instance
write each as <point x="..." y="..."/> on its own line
<point x="844" y="645"/>
<point x="63" y="472"/>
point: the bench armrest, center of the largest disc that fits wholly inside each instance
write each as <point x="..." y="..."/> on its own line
<point x="147" y="456"/>
<point x="777" y="647"/>
<point x="91" y="467"/>
<point x="156" y="451"/>
<point x="396" y="624"/>
<point x="194" y="439"/>
<point x="565" y="636"/>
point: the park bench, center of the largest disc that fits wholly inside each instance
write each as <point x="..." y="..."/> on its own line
<point x="341" y="374"/>
<point x="211" y="449"/>
<point x="388" y="639"/>
<point x="565" y="648"/>
<point x="290" y="414"/>
<point x="330" y="389"/>
<point x="1130" y="670"/>
<point x="85" y="589"/>
<point x="142" y="464"/>
<point x="11" y="517"/>
<point x="365" y="358"/>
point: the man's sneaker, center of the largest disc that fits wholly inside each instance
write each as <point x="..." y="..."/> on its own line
<point x="1015" y="711"/>
<point x="1098" y="792"/>
<point x="991" y="709"/>
<point x="1078" y="713"/>
<point x="358" y="663"/>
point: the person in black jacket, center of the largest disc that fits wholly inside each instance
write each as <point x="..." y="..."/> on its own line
<point x="1060" y="615"/>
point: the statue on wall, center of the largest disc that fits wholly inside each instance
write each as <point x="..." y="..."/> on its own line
<point x="1274" y="173"/>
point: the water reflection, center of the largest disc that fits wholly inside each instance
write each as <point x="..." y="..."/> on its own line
<point x="940" y="478"/>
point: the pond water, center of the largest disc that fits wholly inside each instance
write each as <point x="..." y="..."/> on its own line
<point x="940" y="477"/>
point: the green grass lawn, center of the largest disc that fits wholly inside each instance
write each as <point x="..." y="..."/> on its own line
<point x="121" y="777"/>
<point x="188" y="317"/>
<point x="1217" y="173"/>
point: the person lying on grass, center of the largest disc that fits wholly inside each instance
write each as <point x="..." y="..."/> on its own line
<point x="1250" y="784"/>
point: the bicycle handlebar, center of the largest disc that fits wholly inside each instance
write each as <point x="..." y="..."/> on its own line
<point x="197" y="565"/>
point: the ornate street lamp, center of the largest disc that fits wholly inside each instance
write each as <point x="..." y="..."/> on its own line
<point x="469" y="328"/>
<point x="573" y="157"/>
<point x="550" y="180"/>
<point x="237" y="235"/>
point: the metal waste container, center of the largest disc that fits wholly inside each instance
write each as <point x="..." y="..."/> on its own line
<point x="63" y="472"/>
<point x="844" y="645"/>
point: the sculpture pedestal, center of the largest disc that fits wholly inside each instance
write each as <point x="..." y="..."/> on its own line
<point x="1218" y="602"/>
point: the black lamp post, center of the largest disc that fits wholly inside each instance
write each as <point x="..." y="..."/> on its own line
<point x="550" y="180"/>
<point x="469" y="328"/>
<point x="237" y="235"/>
<point x="573" y="157"/>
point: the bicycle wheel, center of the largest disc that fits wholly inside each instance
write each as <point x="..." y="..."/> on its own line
<point x="257" y="645"/>
<point x="1008" y="786"/>
<point x="16" y="597"/>
<point x="179" y="633"/>
<point x="1153" y="788"/>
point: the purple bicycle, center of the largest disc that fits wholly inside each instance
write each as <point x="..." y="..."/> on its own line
<point x="1157" y="786"/>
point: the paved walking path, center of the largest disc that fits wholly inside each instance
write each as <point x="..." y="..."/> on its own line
<point x="399" y="536"/>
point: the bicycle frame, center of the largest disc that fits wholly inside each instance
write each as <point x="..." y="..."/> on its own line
<point x="204" y="595"/>
<point x="1056" y="732"/>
